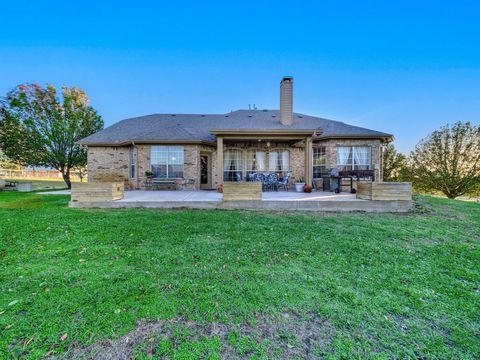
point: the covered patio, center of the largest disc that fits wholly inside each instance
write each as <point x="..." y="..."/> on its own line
<point x="275" y="158"/>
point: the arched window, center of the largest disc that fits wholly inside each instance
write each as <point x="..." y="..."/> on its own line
<point x="279" y="161"/>
<point x="256" y="161"/>
<point x="232" y="165"/>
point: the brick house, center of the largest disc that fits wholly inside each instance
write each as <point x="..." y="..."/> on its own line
<point x="212" y="149"/>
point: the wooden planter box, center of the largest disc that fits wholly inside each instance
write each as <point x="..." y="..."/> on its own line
<point x="384" y="190"/>
<point x="97" y="191"/>
<point x="242" y="191"/>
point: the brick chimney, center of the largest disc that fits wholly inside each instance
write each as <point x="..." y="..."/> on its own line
<point x="286" y="100"/>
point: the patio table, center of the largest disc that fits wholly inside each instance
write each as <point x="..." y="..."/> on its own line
<point x="11" y="184"/>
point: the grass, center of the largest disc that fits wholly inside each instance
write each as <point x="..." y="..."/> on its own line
<point x="366" y="285"/>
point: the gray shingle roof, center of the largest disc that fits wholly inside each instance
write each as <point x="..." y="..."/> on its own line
<point x="198" y="127"/>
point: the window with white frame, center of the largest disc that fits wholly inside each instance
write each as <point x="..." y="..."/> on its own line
<point x="232" y="165"/>
<point x="279" y="161"/>
<point x="354" y="157"/>
<point x="319" y="161"/>
<point x="256" y="161"/>
<point x="167" y="161"/>
<point x="133" y="162"/>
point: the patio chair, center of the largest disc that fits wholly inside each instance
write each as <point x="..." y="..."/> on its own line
<point x="284" y="182"/>
<point x="258" y="177"/>
<point x="271" y="181"/>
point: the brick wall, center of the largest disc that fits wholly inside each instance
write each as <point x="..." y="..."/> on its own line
<point x="143" y="159"/>
<point x="331" y="152"/>
<point x="108" y="160"/>
<point x="116" y="160"/>
<point x="191" y="168"/>
<point x="102" y="160"/>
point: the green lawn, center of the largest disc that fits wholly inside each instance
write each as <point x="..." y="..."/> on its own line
<point x="204" y="284"/>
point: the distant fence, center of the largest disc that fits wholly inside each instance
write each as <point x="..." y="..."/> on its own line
<point x="31" y="173"/>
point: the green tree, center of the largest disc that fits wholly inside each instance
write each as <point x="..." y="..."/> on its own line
<point x="448" y="160"/>
<point x="394" y="164"/>
<point x="40" y="128"/>
<point x="6" y="163"/>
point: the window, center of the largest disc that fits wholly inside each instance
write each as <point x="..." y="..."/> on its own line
<point x="167" y="161"/>
<point x="319" y="161"/>
<point x="354" y="157"/>
<point x="133" y="162"/>
<point x="232" y="165"/>
<point x="256" y="161"/>
<point x="204" y="169"/>
<point x="279" y="161"/>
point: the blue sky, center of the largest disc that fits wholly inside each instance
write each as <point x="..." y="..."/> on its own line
<point x="405" y="67"/>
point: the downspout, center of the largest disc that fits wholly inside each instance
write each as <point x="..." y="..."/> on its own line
<point x="382" y="149"/>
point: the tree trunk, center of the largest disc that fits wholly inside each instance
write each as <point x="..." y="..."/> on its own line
<point x="66" y="178"/>
<point x="451" y="195"/>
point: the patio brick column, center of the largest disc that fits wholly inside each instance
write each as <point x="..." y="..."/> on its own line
<point x="219" y="160"/>
<point x="308" y="161"/>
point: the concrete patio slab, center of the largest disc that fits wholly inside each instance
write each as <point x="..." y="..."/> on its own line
<point x="279" y="201"/>
<point x="165" y="196"/>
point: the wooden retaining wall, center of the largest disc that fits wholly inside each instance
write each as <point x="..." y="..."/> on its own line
<point x="384" y="191"/>
<point x="233" y="191"/>
<point x="97" y="191"/>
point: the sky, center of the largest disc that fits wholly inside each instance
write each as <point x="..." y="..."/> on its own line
<point x="402" y="67"/>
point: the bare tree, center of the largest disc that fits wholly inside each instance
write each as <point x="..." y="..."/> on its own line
<point x="448" y="160"/>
